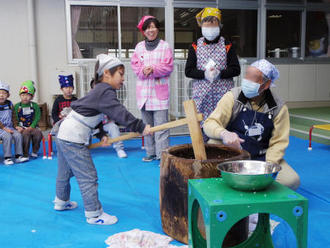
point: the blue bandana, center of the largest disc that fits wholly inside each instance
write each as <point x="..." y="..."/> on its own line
<point x="267" y="68"/>
<point x="65" y="81"/>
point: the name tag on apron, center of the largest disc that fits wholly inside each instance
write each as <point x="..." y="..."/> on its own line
<point x="254" y="131"/>
<point x="27" y="111"/>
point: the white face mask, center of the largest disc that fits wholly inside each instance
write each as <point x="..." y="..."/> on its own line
<point x="210" y="33"/>
<point x="250" y="88"/>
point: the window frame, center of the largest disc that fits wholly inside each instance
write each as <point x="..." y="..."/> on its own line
<point x="264" y="7"/>
<point x="101" y="3"/>
<point x="237" y="4"/>
<point x="248" y="5"/>
<point x="260" y="5"/>
<point x="225" y="4"/>
<point x="303" y="8"/>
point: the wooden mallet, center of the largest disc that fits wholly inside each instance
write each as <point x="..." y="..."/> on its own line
<point x="192" y="119"/>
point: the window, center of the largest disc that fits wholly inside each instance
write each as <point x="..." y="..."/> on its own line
<point x="317" y="1"/>
<point x="130" y="35"/>
<point x="317" y="34"/>
<point x="286" y="1"/>
<point x="193" y="1"/>
<point x="186" y="30"/>
<point x="283" y="33"/>
<point x="239" y="27"/>
<point x="94" y="30"/>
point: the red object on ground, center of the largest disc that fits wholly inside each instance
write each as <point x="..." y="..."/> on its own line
<point x="320" y="126"/>
<point x="50" y="147"/>
<point x="310" y="137"/>
<point x="44" y="147"/>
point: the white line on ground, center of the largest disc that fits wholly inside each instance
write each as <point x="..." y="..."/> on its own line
<point x="309" y="118"/>
<point x="314" y="134"/>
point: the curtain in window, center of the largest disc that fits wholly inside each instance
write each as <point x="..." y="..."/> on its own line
<point x="75" y="17"/>
<point x="327" y="16"/>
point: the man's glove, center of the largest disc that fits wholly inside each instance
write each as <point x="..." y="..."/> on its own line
<point x="231" y="139"/>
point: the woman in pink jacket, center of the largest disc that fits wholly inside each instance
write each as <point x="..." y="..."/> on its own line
<point x="152" y="62"/>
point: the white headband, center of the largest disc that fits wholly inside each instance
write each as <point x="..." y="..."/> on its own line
<point x="106" y="62"/>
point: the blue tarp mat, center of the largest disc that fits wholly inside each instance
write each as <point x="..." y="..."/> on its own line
<point x="129" y="189"/>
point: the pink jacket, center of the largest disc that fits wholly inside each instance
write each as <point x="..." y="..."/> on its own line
<point x="153" y="90"/>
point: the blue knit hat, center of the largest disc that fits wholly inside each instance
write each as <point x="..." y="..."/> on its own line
<point x="65" y="81"/>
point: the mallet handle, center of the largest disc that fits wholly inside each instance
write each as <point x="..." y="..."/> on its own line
<point x="195" y="130"/>
<point x="164" y="126"/>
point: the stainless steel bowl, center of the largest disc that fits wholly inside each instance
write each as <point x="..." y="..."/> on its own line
<point x="248" y="175"/>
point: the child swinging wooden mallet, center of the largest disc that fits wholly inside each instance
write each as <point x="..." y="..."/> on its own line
<point x="192" y="120"/>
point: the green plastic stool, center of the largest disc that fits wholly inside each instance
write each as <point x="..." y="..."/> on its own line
<point x="223" y="206"/>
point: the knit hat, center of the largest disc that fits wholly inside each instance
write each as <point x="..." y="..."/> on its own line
<point x="268" y="69"/>
<point x="208" y="11"/>
<point x="4" y="86"/>
<point x="27" y="87"/>
<point x="65" y="81"/>
<point x="142" y="21"/>
<point x="107" y="62"/>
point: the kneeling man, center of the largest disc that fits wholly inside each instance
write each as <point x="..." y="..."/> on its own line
<point x="252" y="117"/>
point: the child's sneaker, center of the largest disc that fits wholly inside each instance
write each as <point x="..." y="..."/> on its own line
<point x="60" y="205"/>
<point x="21" y="159"/>
<point x="34" y="155"/>
<point x="8" y="161"/>
<point x="121" y="154"/>
<point x="103" y="219"/>
<point x="149" y="158"/>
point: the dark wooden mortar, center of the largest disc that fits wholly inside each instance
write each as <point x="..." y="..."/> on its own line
<point x="177" y="166"/>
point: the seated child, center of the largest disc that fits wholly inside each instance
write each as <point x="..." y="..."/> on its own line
<point x="8" y="123"/>
<point x="112" y="129"/>
<point x="28" y="115"/>
<point x="74" y="158"/>
<point x="63" y="101"/>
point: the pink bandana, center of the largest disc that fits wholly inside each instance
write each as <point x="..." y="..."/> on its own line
<point x="142" y="21"/>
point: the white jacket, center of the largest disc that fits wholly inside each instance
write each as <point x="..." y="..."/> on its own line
<point x="77" y="128"/>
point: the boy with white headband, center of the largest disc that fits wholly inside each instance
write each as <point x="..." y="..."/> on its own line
<point x="254" y="118"/>
<point x="74" y="158"/>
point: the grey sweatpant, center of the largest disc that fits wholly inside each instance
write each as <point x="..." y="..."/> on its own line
<point x="158" y="142"/>
<point x="7" y="139"/>
<point x="113" y="130"/>
<point x="75" y="160"/>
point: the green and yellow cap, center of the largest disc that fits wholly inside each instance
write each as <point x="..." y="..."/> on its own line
<point x="27" y="87"/>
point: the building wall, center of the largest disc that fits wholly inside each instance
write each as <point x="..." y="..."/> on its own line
<point x="304" y="84"/>
<point x="14" y="66"/>
<point x="50" y="39"/>
<point x="51" y="45"/>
